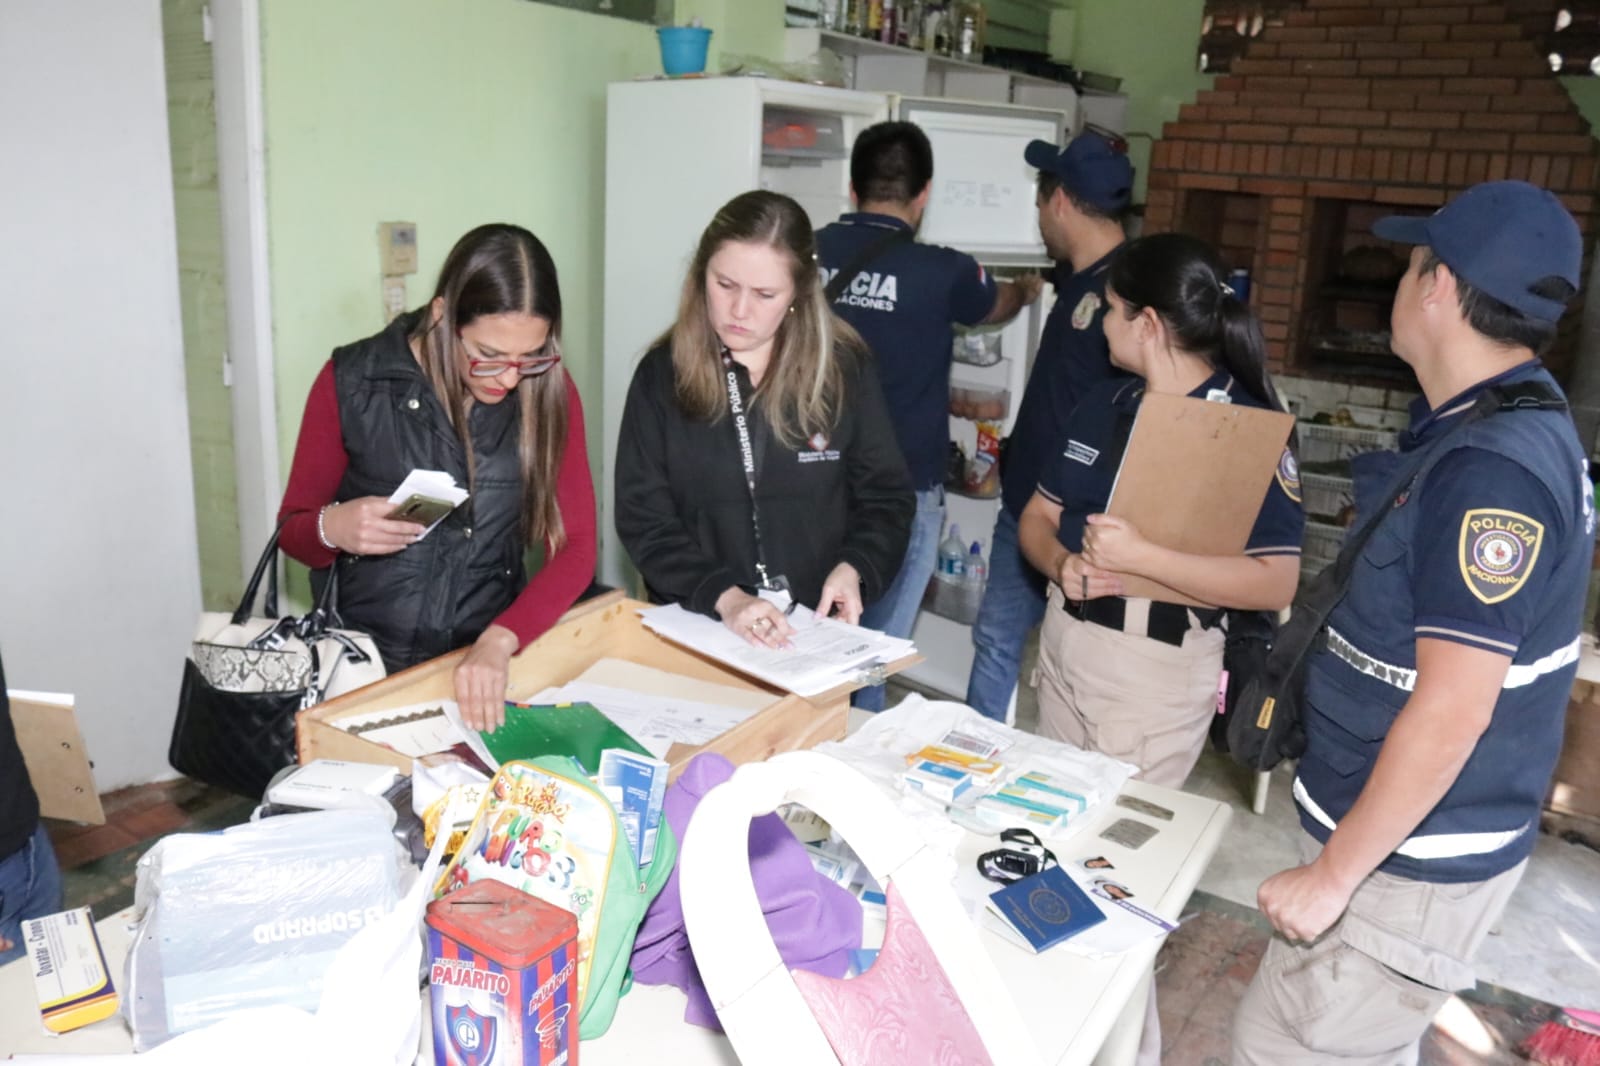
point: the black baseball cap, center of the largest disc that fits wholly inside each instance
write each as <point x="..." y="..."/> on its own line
<point x="1091" y="166"/>
<point x="1503" y="238"/>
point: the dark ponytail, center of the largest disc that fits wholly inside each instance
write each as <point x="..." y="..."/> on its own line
<point x="1183" y="280"/>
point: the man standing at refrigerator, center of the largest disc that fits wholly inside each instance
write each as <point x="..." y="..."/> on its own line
<point x="1083" y="190"/>
<point x="902" y="297"/>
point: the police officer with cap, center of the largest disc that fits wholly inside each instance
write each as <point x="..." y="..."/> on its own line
<point x="1083" y="190"/>
<point x="1434" y="711"/>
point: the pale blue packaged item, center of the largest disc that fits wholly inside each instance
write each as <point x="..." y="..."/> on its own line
<point x="636" y="785"/>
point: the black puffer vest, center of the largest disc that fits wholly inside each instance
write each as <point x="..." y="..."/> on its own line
<point x="442" y="592"/>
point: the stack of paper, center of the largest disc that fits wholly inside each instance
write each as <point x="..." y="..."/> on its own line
<point x="426" y="497"/>
<point x="823" y="653"/>
<point x="657" y="721"/>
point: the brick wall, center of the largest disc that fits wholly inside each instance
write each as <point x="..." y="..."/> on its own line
<point x="1367" y="101"/>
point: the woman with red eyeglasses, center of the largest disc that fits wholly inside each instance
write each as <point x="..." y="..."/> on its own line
<point x="471" y="385"/>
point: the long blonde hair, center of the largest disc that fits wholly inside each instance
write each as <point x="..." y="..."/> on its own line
<point x="498" y="269"/>
<point x="801" y="392"/>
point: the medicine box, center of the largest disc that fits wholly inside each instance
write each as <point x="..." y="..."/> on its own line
<point x="937" y="781"/>
<point x="69" y="970"/>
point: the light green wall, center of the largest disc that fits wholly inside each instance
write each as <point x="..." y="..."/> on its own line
<point x="192" y="120"/>
<point x="1585" y="93"/>
<point x="443" y="114"/>
<point x="1151" y="45"/>
<point x="738" y="27"/>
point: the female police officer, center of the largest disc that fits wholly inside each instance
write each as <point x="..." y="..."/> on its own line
<point x="1137" y="678"/>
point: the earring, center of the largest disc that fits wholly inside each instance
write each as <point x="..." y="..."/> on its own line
<point x="791" y="309"/>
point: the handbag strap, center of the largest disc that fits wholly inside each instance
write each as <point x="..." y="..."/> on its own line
<point x="1312" y="608"/>
<point x="874" y="248"/>
<point x="266" y="565"/>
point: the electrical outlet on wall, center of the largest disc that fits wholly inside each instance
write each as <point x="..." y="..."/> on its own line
<point x="397" y="247"/>
<point x="394" y="296"/>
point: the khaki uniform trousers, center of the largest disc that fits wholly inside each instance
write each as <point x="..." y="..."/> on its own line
<point x="1134" y="698"/>
<point x="1126" y="694"/>
<point x="1368" y="988"/>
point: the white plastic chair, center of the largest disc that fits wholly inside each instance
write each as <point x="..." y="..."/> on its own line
<point x="755" y="996"/>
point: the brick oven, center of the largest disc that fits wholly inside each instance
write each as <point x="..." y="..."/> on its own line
<point x="1349" y="110"/>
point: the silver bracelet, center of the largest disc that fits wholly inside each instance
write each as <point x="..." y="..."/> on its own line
<point x="322" y="534"/>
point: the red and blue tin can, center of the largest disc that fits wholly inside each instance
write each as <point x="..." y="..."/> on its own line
<point x="503" y="978"/>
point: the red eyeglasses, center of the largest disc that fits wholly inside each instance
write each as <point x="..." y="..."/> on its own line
<point x="491" y="368"/>
<point x="528" y="368"/>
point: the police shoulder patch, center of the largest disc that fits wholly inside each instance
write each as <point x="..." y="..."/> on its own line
<point x="1083" y="314"/>
<point x="1289" y="476"/>
<point x="1498" y="551"/>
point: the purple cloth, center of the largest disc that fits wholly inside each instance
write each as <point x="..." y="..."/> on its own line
<point x="815" y="923"/>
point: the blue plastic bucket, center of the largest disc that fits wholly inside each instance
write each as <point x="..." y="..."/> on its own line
<point x="683" y="48"/>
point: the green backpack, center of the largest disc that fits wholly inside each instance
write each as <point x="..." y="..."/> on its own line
<point x="545" y="828"/>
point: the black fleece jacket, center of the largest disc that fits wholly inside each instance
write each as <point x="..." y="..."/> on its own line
<point x="683" y="508"/>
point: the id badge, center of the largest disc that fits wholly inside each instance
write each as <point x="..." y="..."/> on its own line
<point x="779" y="597"/>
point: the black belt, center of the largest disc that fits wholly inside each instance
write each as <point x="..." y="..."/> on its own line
<point x="1168" y="621"/>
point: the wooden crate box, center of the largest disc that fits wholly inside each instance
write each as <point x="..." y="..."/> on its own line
<point x="607" y="627"/>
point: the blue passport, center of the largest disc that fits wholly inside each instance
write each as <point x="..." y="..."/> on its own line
<point x="1045" y="908"/>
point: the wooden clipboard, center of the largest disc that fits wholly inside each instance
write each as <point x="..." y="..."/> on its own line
<point x="1194" y="477"/>
<point x="57" y="761"/>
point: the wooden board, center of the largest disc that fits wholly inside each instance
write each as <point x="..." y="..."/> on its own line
<point x="1194" y="477"/>
<point x="607" y="627"/>
<point x="58" y="763"/>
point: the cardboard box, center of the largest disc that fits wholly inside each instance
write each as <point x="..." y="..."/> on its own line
<point x="605" y="627"/>
<point x="1575" y="790"/>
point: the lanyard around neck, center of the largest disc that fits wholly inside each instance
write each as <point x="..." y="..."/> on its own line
<point x="747" y="457"/>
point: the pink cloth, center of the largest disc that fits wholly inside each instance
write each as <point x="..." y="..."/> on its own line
<point x="902" y="1011"/>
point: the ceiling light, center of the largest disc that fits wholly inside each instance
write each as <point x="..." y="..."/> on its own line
<point x="1256" y="23"/>
<point x="1205" y="62"/>
<point x="1242" y="26"/>
<point x="1205" y="25"/>
<point x="1556" y="62"/>
<point x="1594" y="65"/>
<point x="1563" y="19"/>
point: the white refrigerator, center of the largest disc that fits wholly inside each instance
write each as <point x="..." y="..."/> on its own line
<point x="677" y="150"/>
<point x="983" y="204"/>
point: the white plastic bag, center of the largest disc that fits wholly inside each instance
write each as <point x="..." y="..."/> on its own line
<point x="369" y="1014"/>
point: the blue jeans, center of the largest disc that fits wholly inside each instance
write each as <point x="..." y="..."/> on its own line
<point x="896" y="613"/>
<point x="1013" y="604"/>
<point x="30" y="887"/>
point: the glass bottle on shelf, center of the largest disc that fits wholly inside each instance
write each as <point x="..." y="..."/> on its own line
<point x="854" y="18"/>
<point x="874" y="22"/>
<point x="936" y="28"/>
<point x="969" y="25"/>
<point x="909" y="24"/>
<point x="886" y="23"/>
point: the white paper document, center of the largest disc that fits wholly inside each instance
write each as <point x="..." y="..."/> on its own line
<point x="433" y="493"/>
<point x="656" y="721"/>
<point x="823" y="653"/>
<point x="416" y="729"/>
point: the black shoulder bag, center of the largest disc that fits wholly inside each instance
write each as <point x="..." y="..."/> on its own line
<point x="1264" y="723"/>
<point x="874" y="248"/>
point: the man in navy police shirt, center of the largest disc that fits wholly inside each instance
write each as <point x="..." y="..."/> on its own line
<point x="902" y="299"/>
<point x="1434" y="711"/>
<point x="1083" y="190"/>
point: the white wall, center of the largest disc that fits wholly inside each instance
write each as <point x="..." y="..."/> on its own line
<point x="99" y="575"/>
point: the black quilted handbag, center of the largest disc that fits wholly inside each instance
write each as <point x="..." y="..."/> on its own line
<point x="247" y="677"/>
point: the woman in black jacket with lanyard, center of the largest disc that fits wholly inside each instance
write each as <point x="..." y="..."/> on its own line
<point x="755" y="450"/>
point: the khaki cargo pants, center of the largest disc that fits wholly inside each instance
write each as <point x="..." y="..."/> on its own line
<point x="1126" y="694"/>
<point x="1367" y="990"/>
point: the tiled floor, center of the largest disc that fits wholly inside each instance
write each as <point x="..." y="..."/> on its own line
<point x="1202" y="970"/>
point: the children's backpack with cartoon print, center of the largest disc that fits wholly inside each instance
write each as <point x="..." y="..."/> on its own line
<point x="544" y="827"/>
